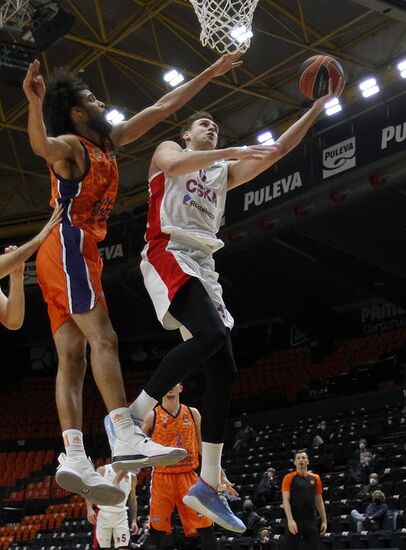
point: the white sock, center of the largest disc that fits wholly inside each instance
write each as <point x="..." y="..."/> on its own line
<point x="211" y="463"/>
<point x="73" y="441"/>
<point x="122" y="422"/>
<point x="142" y="406"/>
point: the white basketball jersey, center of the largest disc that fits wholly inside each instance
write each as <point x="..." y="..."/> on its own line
<point x="190" y="206"/>
<point x="125" y="485"/>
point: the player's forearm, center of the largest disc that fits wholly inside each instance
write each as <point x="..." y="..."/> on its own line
<point x="133" y="507"/>
<point x="183" y="163"/>
<point x="89" y="506"/>
<point x="15" y="307"/>
<point x="287" y="508"/>
<point x="321" y="509"/>
<point x="12" y="261"/>
<point x="37" y="132"/>
<point x="295" y="134"/>
<point x="176" y="98"/>
<point x="162" y="109"/>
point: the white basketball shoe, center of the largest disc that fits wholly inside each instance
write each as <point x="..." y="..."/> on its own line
<point x="79" y="476"/>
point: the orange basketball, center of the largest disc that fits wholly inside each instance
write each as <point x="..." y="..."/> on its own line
<point x="314" y="75"/>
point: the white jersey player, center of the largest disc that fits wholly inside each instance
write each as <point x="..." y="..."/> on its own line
<point x="190" y="217"/>
<point x="186" y="205"/>
<point x="112" y="521"/>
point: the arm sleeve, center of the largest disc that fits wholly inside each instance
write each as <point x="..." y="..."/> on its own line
<point x="287" y="482"/>
<point x="319" y="486"/>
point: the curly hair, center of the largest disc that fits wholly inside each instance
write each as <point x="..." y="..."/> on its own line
<point x="62" y="93"/>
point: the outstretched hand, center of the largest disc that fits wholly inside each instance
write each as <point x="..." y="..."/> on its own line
<point x="34" y="85"/>
<point x="256" y="152"/>
<point x="332" y="92"/>
<point x="54" y="220"/>
<point x="229" y="486"/>
<point x="225" y="63"/>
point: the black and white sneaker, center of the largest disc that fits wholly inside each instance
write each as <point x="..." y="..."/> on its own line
<point x="140" y="451"/>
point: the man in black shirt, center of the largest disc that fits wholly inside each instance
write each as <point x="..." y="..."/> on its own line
<point x="302" y="495"/>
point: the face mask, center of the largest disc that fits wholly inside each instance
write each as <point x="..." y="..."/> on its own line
<point x="373" y="481"/>
<point x="378" y="500"/>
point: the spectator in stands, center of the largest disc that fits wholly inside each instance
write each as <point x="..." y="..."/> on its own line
<point x="245" y="438"/>
<point x="12" y="308"/>
<point x="362" y="449"/>
<point x="264" y="540"/>
<point x="323" y="436"/>
<point x="302" y="495"/>
<point x="365" y="494"/>
<point x="373" y="517"/>
<point x="249" y="517"/>
<point x="266" y="489"/>
<point x="364" y="468"/>
<point x="378" y="460"/>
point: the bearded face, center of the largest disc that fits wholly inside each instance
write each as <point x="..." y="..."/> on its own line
<point x="99" y="123"/>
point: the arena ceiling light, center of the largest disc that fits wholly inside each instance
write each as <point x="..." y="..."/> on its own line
<point x="333" y="106"/>
<point x="241" y="34"/>
<point x="265" y="138"/>
<point x="369" y="87"/>
<point x="114" y="116"/>
<point x="402" y="68"/>
<point x="173" y="77"/>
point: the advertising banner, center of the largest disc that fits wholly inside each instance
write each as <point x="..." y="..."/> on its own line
<point x="356" y="142"/>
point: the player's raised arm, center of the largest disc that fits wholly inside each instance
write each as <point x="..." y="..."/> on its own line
<point x="294" y="135"/>
<point x="243" y="171"/>
<point x="51" y="149"/>
<point x="139" y="124"/>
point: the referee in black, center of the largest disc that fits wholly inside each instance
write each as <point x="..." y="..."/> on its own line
<point x="302" y="495"/>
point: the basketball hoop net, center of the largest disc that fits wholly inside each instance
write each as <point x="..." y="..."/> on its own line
<point x="226" y="24"/>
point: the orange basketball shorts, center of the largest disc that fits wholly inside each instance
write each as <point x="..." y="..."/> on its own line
<point x="69" y="271"/>
<point x="167" y="491"/>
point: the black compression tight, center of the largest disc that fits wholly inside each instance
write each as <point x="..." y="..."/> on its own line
<point x="211" y="346"/>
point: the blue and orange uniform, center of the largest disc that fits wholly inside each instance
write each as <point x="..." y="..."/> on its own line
<point x="68" y="264"/>
<point x="169" y="484"/>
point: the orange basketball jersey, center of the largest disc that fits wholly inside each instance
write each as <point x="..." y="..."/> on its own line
<point x="89" y="200"/>
<point x="176" y="431"/>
